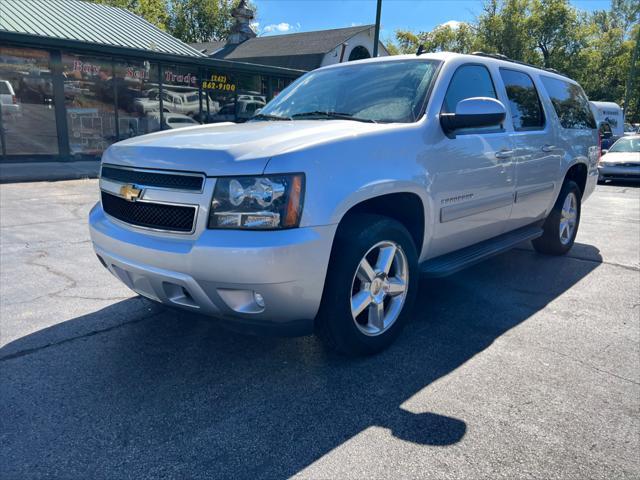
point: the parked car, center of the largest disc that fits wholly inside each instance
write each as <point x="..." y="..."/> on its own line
<point x="8" y="100"/>
<point x="170" y="121"/>
<point x="239" y="111"/>
<point x="186" y="103"/>
<point x="630" y="129"/>
<point x="622" y="160"/>
<point x="323" y="212"/>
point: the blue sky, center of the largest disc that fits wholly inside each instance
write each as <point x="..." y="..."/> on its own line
<point x="288" y="16"/>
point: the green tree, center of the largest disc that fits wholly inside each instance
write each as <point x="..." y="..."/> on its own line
<point x="596" y="49"/>
<point x="201" y="20"/>
<point x="443" y="38"/>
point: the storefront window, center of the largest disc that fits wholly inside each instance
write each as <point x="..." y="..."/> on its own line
<point x="279" y="84"/>
<point x="180" y="97"/>
<point x="231" y="97"/>
<point x="138" y="101"/>
<point x="89" y="100"/>
<point x="27" y="114"/>
<point x="250" y="97"/>
<point x="218" y="97"/>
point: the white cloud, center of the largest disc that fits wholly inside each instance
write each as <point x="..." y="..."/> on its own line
<point x="356" y="24"/>
<point x="282" y="27"/>
<point x="453" y="24"/>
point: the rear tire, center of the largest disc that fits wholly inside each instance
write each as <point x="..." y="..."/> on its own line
<point x="561" y="226"/>
<point x="370" y="287"/>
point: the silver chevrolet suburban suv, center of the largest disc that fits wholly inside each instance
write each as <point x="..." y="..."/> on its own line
<point x="324" y="211"/>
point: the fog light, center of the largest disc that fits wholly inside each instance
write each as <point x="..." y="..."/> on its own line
<point x="259" y="299"/>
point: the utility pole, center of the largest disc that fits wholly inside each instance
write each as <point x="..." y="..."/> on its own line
<point x="376" y="37"/>
<point x="632" y="68"/>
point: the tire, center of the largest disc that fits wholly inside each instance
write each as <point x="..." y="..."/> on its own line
<point x="561" y="226"/>
<point x="349" y="283"/>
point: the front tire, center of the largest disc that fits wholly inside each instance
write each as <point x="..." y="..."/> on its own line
<point x="370" y="287"/>
<point x="561" y="226"/>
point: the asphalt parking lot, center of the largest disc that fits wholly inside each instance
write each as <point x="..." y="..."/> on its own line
<point x="524" y="366"/>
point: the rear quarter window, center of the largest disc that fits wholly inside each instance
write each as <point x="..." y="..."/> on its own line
<point x="570" y="103"/>
<point x="526" y="110"/>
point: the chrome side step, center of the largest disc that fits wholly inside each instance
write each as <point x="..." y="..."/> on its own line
<point x="452" y="262"/>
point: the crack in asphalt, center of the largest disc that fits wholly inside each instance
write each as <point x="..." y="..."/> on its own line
<point x="591" y="260"/>
<point x="29" y="351"/>
<point x="589" y="365"/>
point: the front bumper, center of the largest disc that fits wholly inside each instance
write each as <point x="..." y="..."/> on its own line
<point x="218" y="272"/>
<point x="617" y="172"/>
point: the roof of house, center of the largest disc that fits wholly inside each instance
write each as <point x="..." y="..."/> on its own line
<point x="302" y="51"/>
<point x="88" y="22"/>
<point x="209" y="48"/>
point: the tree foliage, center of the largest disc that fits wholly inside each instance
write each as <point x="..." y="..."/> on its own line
<point x="189" y="20"/>
<point x="594" y="48"/>
<point x="201" y="20"/>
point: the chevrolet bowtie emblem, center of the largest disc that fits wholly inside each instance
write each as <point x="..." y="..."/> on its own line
<point x="130" y="193"/>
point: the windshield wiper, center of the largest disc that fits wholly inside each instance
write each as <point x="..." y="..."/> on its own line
<point x="267" y="116"/>
<point x="337" y="115"/>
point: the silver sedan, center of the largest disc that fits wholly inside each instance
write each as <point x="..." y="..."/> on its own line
<point x="621" y="161"/>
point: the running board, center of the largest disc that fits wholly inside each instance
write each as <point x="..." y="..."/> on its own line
<point x="452" y="262"/>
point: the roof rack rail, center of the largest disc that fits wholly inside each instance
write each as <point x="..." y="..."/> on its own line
<point x="499" y="56"/>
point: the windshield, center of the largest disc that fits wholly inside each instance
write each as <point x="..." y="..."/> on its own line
<point x="392" y="91"/>
<point x="626" y="145"/>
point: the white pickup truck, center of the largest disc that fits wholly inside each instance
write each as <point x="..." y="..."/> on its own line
<point x="323" y="212"/>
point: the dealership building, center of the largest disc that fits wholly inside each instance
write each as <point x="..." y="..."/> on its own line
<point x="76" y="77"/>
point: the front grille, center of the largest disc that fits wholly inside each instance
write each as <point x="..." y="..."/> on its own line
<point x="153" y="179"/>
<point x="151" y="215"/>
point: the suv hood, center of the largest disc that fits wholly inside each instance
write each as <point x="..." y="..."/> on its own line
<point x="229" y="148"/>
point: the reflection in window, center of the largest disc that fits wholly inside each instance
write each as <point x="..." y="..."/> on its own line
<point x="89" y="98"/>
<point x="526" y="111"/>
<point x="138" y="99"/>
<point x="390" y="91"/>
<point x="180" y="95"/>
<point x="231" y="97"/>
<point x="468" y="81"/>
<point x="26" y="96"/>
<point x="570" y="103"/>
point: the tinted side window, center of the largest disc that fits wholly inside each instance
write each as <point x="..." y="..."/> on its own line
<point x="469" y="81"/>
<point x="524" y="103"/>
<point x="570" y="103"/>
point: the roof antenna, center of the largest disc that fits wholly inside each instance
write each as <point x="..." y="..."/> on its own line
<point x="420" y="50"/>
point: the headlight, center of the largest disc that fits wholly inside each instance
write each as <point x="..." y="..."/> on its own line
<point x="259" y="203"/>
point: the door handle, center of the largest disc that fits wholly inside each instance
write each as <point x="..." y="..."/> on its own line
<point x="548" y="148"/>
<point x="504" y="154"/>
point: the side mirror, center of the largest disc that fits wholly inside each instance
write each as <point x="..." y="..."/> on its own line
<point x="473" y="113"/>
<point x="604" y="151"/>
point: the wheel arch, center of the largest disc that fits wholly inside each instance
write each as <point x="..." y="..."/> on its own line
<point x="406" y="207"/>
<point x="578" y="172"/>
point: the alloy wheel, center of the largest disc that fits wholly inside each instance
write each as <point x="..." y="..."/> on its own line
<point x="379" y="288"/>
